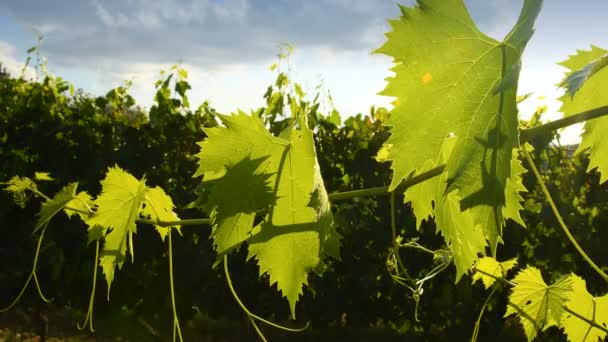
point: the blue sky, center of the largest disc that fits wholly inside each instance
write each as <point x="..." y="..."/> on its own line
<point x="228" y="45"/>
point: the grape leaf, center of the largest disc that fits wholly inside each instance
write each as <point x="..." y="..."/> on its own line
<point x="585" y="83"/>
<point x="461" y="234"/>
<point x="492" y="266"/>
<point x="452" y="78"/>
<point x="580" y="73"/>
<point x="18" y="186"/>
<point x="43" y="176"/>
<point x="238" y="159"/>
<point x="298" y="231"/>
<point x="515" y="186"/>
<point x="537" y="304"/>
<point x="118" y="207"/>
<point x="594" y="309"/>
<point x="422" y="195"/>
<point x="159" y="206"/>
<point x="279" y="175"/>
<point x="83" y="202"/>
<point x="233" y="216"/>
<point x="54" y="205"/>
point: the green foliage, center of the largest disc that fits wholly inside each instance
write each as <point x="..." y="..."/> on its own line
<point x="159" y="207"/>
<point x="55" y="205"/>
<point x="585" y="81"/>
<point x="455" y="102"/>
<point x="464" y="237"/>
<point x="538" y="305"/>
<point x="444" y="59"/>
<point x="117" y="208"/>
<point x="491" y="269"/>
<point x="592" y="308"/>
<point x="284" y="180"/>
<point x="514" y="188"/>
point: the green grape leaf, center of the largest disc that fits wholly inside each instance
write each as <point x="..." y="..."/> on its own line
<point x="280" y="176"/>
<point x="233" y="216"/>
<point x="585" y="83"/>
<point x="19" y="186"/>
<point x="56" y="204"/>
<point x="43" y="176"/>
<point x="239" y="158"/>
<point x="461" y="234"/>
<point x="298" y="231"/>
<point x="452" y="78"/>
<point x="159" y="207"/>
<point x="595" y="309"/>
<point x="423" y="195"/>
<point x="244" y="136"/>
<point x="580" y="73"/>
<point x="118" y="207"/>
<point x="95" y="233"/>
<point x="515" y="186"/>
<point x="82" y="202"/>
<point x="537" y="304"/>
<point x="491" y="266"/>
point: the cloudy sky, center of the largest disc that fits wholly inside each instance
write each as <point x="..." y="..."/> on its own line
<point x="228" y="45"/>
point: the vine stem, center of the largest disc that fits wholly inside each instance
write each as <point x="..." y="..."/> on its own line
<point x="32" y="275"/>
<point x="89" y="317"/>
<point x="525" y="135"/>
<point x="483" y="309"/>
<point x="394" y="232"/>
<point x="560" y="219"/>
<point x="251" y="315"/>
<point x="175" y="319"/>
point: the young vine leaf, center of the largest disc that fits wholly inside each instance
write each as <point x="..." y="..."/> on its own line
<point x="19" y="186"/>
<point x="56" y="204"/>
<point x="297" y="231"/>
<point x="595" y="309"/>
<point x="452" y="78"/>
<point x="118" y="207"/>
<point x="493" y="267"/>
<point x="159" y="207"/>
<point x="43" y="176"/>
<point x="83" y="202"/>
<point x="585" y="84"/>
<point x="537" y="304"/>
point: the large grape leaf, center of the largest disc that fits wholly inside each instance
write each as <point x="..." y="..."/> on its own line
<point x="537" y="304"/>
<point x="118" y="206"/>
<point x="298" y="231"/>
<point x="54" y="205"/>
<point x="236" y="162"/>
<point x="461" y="234"/>
<point x="159" y="206"/>
<point x="586" y="84"/>
<point x="248" y="169"/>
<point x="452" y="78"/>
<point x="232" y="172"/>
<point x="594" y="309"/>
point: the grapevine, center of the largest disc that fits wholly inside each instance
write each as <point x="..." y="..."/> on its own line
<point x="455" y="149"/>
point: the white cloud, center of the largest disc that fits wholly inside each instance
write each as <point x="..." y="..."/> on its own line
<point x="10" y="62"/>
